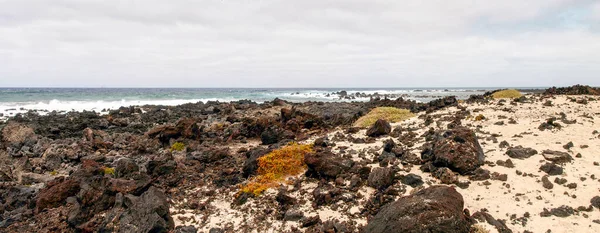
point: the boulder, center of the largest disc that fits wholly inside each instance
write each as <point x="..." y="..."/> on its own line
<point x="434" y="209"/>
<point x="381" y="178"/>
<point x="148" y="213"/>
<point x="274" y="134"/>
<point x="557" y="156"/>
<point x="326" y="164"/>
<point x="551" y="169"/>
<point x="125" y="167"/>
<point x="251" y="164"/>
<point x="595" y="202"/>
<point x="519" y="152"/>
<point x="457" y="149"/>
<point x="412" y="180"/>
<point x="381" y="127"/>
<point x="16" y="133"/>
<point x="445" y="175"/>
<point x="56" y="193"/>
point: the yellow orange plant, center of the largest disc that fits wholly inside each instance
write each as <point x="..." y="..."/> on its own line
<point x="274" y="167"/>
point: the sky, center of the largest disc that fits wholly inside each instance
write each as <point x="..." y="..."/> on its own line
<point x="299" y="43"/>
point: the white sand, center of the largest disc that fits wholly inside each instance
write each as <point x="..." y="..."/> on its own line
<point x="516" y="196"/>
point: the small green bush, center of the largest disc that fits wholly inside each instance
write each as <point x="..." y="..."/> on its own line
<point x="109" y="171"/>
<point x="511" y="93"/>
<point x="178" y="146"/>
<point x="390" y="114"/>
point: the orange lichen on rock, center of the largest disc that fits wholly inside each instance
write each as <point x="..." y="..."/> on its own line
<point x="274" y="167"/>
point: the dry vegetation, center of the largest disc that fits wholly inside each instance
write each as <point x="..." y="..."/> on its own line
<point x="274" y="167"/>
<point x="390" y="114"/>
<point x="511" y="93"/>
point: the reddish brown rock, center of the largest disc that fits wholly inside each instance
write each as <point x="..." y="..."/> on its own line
<point x="56" y="193"/>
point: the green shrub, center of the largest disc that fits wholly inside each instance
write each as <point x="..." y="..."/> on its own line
<point x="109" y="171"/>
<point x="511" y="93"/>
<point x="390" y="114"/>
<point x="178" y="146"/>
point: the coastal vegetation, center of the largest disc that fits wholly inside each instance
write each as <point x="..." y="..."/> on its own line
<point x="510" y="93"/>
<point x="389" y="114"/>
<point x="274" y="167"/>
<point x="178" y="146"/>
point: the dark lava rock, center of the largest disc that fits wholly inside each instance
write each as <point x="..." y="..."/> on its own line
<point x="325" y="194"/>
<point x="274" y="134"/>
<point x="562" y="211"/>
<point x="412" y="180"/>
<point x="568" y="145"/>
<point x="445" y="175"/>
<point x="326" y="164"/>
<point x="480" y="174"/>
<point x="185" y="127"/>
<point x="550" y="124"/>
<point x="148" y="213"/>
<point x="500" y="177"/>
<point x="552" y="169"/>
<point x="381" y="127"/>
<point x="125" y="167"/>
<point x="209" y="155"/>
<point x="186" y="229"/>
<point x="557" y="156"/>
<point x="595" y="201"/>
<point x="251" y="164"/>
<point x="323" y="142"/>
<point x="381" y="178"/>
<point x="293" y="215"/>
<point x="434" y="209"/>
<point x="500" y="225"/>
<point x="457" y="149"/>
<point x="388" y="145"/>
<point x="560" y="181"/>
<point x="506" y="163"/>
<point x="283" y="199"/>
<point x="310" y="221"/>
<point x="546" y="183"/>
<point x="519" y="152"/>
<point x="573" y="90"/>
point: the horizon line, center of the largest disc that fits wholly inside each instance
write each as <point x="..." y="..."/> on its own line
<point x="413" y="87"/>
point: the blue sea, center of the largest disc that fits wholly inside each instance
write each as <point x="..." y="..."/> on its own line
<point x="18" y="100"/>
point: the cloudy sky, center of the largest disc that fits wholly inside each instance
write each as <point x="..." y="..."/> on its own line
<point x="299" y="43"/>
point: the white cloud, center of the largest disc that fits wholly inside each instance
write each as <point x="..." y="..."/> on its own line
<point x="291" y="43"/>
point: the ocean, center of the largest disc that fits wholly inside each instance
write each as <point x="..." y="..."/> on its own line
<point x="43" y="100"/>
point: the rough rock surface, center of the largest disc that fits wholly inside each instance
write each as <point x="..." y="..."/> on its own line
<point x="381" y="177"/>
<point x="434" y="209"/>
<point x="457" y="149"/>
<point x="557" y="156"/>
<point x="519" y="152"/>
<point x="379" y="128"/>
<point x="326" y="164"/>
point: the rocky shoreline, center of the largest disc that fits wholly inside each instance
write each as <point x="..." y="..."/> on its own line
<point x="522" y="165"/>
